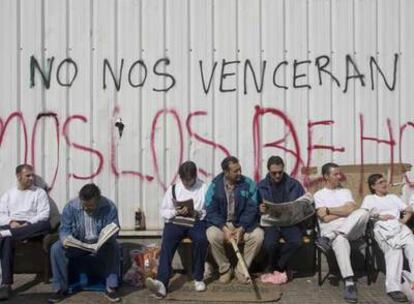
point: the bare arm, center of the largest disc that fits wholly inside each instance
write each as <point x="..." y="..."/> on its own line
<point x="329" y="214"/>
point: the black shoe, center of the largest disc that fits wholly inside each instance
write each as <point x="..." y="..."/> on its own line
<point x="57" y="297"/>
<point x="112" y="296"/>
<point x="350" y="294"/>
<point x="323" y="243"/>
<point x="398" y="296"/>
<point x="5" y="291"/>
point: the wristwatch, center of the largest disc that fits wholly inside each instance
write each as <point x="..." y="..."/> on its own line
<point x="327" y="211"/>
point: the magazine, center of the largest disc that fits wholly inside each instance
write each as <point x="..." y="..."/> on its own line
<point x="106" y="233"/>
<point x="190" y="218"/>
<point x="289" y="213"/>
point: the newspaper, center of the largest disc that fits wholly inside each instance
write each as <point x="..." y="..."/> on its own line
<point x="106" y="233"/>
<point x="289" y="213"/>
<point x="190" y="218"/>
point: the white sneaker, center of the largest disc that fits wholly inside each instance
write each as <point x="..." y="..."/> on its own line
<point x="199" y="286"/>
<point x="156" y="287"/>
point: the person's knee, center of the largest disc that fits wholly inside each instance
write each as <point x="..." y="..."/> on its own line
<point x="57" y="249"/>
<point x="257" y="236"/>
<point x="215" y="235"/>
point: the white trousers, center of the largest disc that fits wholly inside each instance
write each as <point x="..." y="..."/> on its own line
<point x="394" y="258"/>
<point x="351" y="228"/>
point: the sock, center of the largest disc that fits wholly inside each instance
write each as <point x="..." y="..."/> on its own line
<point x="5" y="233"/>
<point x="349" y="282"/>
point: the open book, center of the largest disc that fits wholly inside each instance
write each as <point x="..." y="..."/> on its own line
<point x="105" y="234"/>
<point x="289" y="213"/>
<point x="190" y="218"/>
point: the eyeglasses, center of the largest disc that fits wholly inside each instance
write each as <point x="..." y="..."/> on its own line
<point x="380" y="182"/>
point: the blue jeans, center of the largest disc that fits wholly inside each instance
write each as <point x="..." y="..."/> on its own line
<point x="108" y="256"/>
<point x="171" y="238"/>
<point x="279" y="254"/>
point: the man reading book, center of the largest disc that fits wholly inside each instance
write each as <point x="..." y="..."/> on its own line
<point x="83" y="219"/>
<point x="179" y="200"/>
<point x="279" y="187"/>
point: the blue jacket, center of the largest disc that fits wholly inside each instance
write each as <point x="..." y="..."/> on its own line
<point x="294" y="188"/>
<point x="246" y="209"/>
<point x="72" y="219"/>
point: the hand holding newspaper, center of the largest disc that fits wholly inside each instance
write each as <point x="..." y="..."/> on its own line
<point x="106" y="233"/>
<point x="289" y="213"/>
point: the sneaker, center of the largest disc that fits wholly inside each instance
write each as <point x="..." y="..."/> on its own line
<point x="112" y="296"/>
<point x="350" y="294"/>
<point x="199" y="285"/>
<point x="323" y="243"/>
<point x="5" y="291"/>
<point x="156" y="287"/>
<point x="398" y="296"/>
<point x="57" y="297"/>
<point x="226" y="277"/>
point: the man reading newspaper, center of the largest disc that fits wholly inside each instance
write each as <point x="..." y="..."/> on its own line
<point x="278" y="187"/>
<point x="89" y="225"/>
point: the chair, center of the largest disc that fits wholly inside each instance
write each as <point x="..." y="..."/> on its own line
<point x="362" y="263"/>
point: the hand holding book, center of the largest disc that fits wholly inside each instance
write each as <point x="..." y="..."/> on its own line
<point x="106" y="233"/>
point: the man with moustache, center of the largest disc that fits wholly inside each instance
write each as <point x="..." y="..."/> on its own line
<point x="232" y="213"/>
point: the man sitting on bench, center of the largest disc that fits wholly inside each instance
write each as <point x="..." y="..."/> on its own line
<point x="84" y="222"/>
<point x="182" y="221"/>
<point x="278" y="187"/>
<point x="24" y="213"/>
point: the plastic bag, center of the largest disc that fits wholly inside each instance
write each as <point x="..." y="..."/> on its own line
<point x="144" y="264"/>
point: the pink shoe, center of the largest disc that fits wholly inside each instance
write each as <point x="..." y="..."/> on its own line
<point x="278" y="278"/>
<point x="266" y="278"/>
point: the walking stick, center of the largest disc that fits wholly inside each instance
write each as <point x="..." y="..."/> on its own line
<point x="245" y="269"/>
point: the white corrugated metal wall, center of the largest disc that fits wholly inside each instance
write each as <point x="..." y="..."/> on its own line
<point x="66" y="129"/>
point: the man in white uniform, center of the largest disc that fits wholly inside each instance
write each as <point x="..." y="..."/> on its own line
<point x="392" y="235"/>
<point x="340" y="221"/>
<point x="180" y="224"/>
<point x="24" y="213"/>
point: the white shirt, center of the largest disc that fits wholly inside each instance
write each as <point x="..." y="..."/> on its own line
<point x="388" y="204"/>
<point x="196" y="193"/>
<point x="31" y="205"/>
<point x="90" y="227"/>
<point x="332" y="198"/>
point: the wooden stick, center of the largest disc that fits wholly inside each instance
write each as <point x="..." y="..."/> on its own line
<point x="245" y="269"/>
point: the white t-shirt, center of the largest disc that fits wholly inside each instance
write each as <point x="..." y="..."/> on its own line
<point x="332" y="198"/>
<point x="31" y="205"/>
<point x="196" y="193"/>
<point x="388" y="204"/>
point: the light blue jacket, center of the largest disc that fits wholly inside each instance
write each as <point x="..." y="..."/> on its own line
<point x="72" y="220"/>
